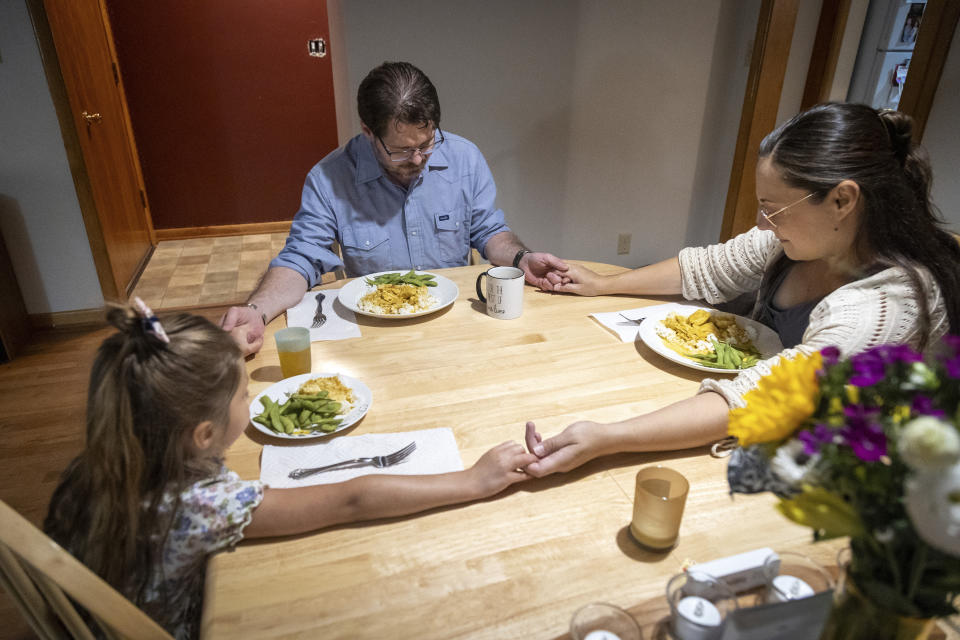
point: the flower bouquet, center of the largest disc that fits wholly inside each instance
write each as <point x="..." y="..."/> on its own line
<point x="869" y="448"/>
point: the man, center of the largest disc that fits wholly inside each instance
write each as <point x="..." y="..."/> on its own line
<point x="401" y="195"/>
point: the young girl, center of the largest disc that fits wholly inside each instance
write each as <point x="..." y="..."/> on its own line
<point x="149" y="498"/>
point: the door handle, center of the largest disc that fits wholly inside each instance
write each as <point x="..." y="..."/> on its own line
<point x="91" y="117"/>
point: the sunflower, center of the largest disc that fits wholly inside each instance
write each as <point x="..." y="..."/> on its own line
<point x="780" y="403"/>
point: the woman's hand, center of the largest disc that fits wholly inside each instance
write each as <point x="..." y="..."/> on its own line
<point x="581" y="281"/>
<point x="501" y="467"/>
<point x="574" y="446"/>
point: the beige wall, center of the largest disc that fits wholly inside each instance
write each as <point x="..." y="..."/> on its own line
<point x="596" y="117"/>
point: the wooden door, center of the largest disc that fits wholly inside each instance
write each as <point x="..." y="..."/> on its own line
<point x="228" y="108"/>
<point x="85" y="50"/>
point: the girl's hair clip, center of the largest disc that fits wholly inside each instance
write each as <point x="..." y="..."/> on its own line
<point x="150" y="322"/>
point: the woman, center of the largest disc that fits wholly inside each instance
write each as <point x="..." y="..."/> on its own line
<point x="847" y="251"/>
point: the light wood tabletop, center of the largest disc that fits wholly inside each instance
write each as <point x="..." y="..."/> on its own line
<point x="517" y="565"/>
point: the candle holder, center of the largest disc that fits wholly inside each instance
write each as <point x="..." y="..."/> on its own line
<point x="602" y="621"/>
<point x="699" y="605"/>
<point x="794" y="576"/>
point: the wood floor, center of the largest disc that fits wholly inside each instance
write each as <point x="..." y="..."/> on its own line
<point x="42" y="404"/>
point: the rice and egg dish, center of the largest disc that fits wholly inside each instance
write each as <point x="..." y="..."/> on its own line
<point x="335" y="389"/>
<point x="397" y="299"/>
<point x="691" y="335"/>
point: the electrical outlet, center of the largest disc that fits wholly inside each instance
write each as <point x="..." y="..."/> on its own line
<point x="623" y="244"/>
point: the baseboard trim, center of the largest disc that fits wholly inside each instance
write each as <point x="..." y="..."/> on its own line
<point x="77" y="319"/>
<point x="219" y="231"/>
<point x="95" y="318"/>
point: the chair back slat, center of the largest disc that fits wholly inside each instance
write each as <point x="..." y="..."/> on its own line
<point x="60" y="604"/>
<point x="17" y="583"/>
<point x="30" y="546"/>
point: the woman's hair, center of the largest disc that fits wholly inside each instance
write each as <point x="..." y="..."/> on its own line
<point x="145" y="398"/>
<point x="397" y="92"/>
<point x="899" y="225"/>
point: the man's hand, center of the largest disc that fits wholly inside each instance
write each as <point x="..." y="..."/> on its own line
<point x="544" y="270"/>
<point x="245" y="324"/>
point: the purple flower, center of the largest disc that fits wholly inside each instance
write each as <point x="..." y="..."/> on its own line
<point x="865" y="437"/>
<point x="813" y="440"/>
<point x="830" y="356"/>
<point x="868" y="368"/>
<point x="923" y="405"/>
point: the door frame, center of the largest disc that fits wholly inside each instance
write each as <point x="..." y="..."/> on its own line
<point x="78" y="168"/>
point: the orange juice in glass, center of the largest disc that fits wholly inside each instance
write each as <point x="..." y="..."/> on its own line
<point x="293" y="349"/>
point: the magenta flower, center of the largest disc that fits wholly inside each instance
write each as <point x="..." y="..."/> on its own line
<point x="862" y="434"/>
<point x="923" y="405"/>
<point x="813" y="439"/>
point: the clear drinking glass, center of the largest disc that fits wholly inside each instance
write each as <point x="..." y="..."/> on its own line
<point x="601" y="621"/>
<point x="293" y="349"/>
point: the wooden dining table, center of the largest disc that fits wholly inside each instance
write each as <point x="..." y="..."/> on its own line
<point x="517" y="565"/>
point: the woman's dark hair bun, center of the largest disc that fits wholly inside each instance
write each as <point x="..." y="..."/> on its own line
<point x="900" y="130"/>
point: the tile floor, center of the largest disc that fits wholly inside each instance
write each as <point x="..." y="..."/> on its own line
<point x="206" y="271"/>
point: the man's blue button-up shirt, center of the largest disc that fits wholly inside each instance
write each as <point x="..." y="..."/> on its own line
<point x="381" y="226"/>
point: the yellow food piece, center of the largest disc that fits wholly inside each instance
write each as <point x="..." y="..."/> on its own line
<point x="396" y="299"/>
<point x="335" y="389"/>
<point x="692" y="332"/>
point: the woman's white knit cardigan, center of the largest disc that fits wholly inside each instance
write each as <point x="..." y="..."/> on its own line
<point x="879" y="309"/>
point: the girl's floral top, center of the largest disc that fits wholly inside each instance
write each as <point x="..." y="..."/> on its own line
<point x="212" y="515"/>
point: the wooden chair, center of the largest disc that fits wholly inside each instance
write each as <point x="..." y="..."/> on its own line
<point x="39" y="575"/>
<point x="476" y="258"/>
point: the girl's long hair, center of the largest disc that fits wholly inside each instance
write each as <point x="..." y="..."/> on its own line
<point x="829" y="143"/>
<point x="144" y="400"/>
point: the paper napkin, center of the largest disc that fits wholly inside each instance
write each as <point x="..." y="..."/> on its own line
<point x="341" y="322"/>
<point x="626" y="330"/>
<point x="436" y="452"/>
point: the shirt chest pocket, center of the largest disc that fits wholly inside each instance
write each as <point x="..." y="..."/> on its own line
<point x="453" y="236"/>
<point x="366" y="250"/>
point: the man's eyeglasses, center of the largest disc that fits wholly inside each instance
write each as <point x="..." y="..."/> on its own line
<point x="405" y="154"/>
<point x="767" y="216"/>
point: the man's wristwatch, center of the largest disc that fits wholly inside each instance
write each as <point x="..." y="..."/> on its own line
<point x="517" y="258"/>
<point x="263" y="316"/>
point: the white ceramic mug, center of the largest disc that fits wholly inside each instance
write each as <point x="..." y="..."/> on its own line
<point x="504" y="292"/>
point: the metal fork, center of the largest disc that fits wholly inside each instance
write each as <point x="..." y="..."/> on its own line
<point x="633" y="320"/>
<point x="376" y="461"/>
<point x="319" y="317"/>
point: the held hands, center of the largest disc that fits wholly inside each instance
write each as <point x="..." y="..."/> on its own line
<point x="501" y="467"/>
<point x="581" y="281"/>
<point x="572" y="447"/>
<point x="246" y="327"/>
<point x="544" y="270"/>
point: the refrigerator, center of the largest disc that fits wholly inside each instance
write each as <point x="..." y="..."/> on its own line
<point x="886" y="47"/>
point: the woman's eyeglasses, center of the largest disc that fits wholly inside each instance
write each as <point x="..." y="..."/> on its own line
<point x="767" y="216"/>
<point x="405" y="154"/>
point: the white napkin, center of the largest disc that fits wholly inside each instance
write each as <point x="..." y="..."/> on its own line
<point x="341" y="322"/>
<point x="436" y="452"/>
<point x="627" y="331"/>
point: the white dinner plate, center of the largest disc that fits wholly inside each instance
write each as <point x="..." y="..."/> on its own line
<point x="445" y="292"/>
<point x="279" y="392"/>
<point x="767" y="341"/>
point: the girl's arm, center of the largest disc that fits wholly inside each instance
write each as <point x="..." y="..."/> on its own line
<point x="688" y="423"/>
<point x="662" y="278"/>
<point x="290" y="511"/>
